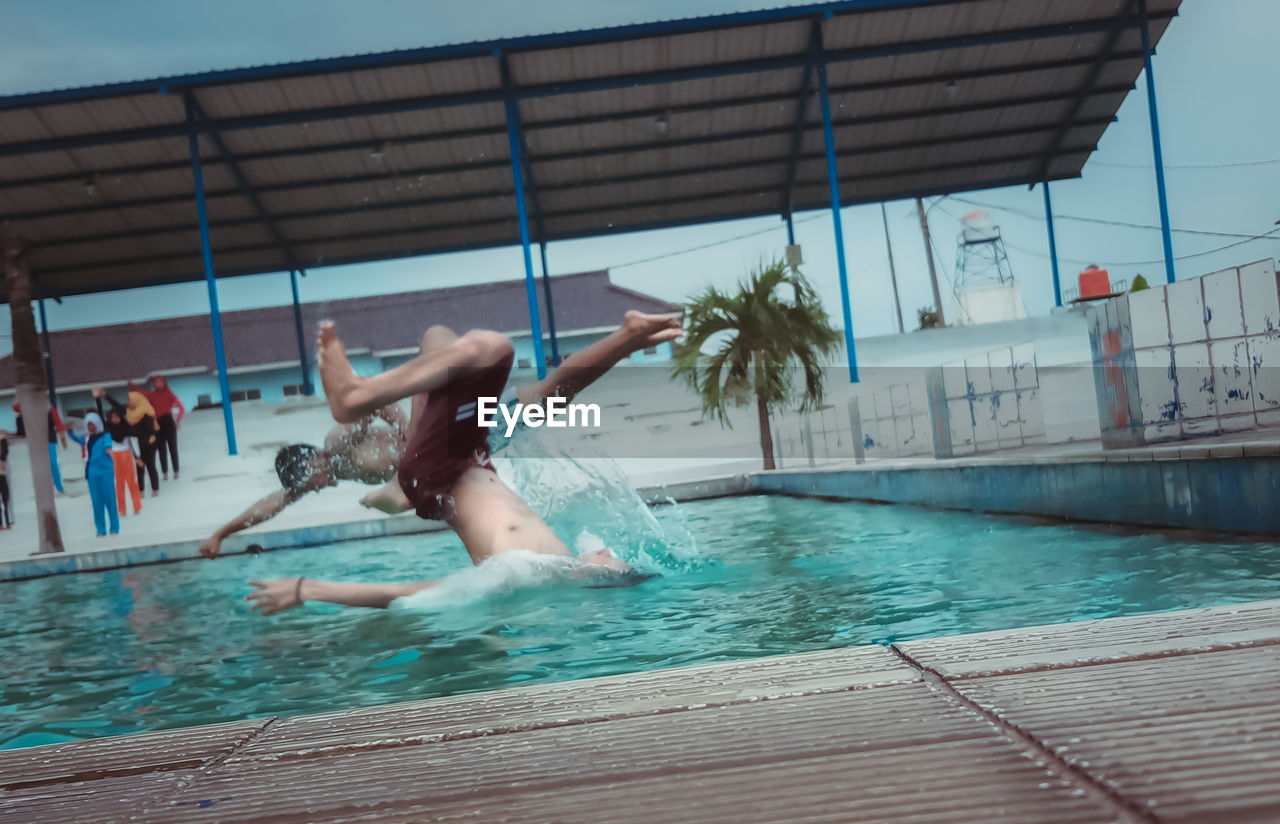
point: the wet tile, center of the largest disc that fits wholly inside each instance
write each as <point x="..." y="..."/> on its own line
<point x="103" y="801"/>
<point x="1187" y="737"/>
<point x="578" y="702"/>
<point x="1057" y="646"/>
<point x="857" y="749"/>
<point x="186" y="748"/>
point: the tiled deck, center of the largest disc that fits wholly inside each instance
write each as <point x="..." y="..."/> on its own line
<point x="1169" y="717"/>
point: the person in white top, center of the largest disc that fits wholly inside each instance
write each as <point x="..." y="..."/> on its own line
<point x="125" y="452"/>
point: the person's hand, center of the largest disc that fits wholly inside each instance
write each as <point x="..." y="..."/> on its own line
<point x="650" y="330"/>
<point x="98" y="391"/>
<point x="138" y="462"/>
<point x="276" y="595"/>
<point x="210" y="548"/>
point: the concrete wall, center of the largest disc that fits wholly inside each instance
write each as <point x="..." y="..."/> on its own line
<point x="1196" y="357"/>
<point x="895" y="421"/>
<point x="988" y="402"/>
<point x="1232" y="495"/>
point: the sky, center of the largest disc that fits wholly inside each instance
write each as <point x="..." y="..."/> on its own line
<point x="1215" y="74"/>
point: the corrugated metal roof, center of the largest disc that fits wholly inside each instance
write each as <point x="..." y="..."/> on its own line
<point x="405" y="153"/>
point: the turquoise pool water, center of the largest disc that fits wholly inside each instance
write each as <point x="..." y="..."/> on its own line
<point x="175" y="645"/>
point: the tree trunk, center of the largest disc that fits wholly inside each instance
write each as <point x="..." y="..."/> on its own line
<point x="766" y="433"/>
<point x="33" y="394"/>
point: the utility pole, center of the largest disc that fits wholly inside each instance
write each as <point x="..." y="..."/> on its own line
<point x="928" y="253"/>
<point x="893" y="272"/>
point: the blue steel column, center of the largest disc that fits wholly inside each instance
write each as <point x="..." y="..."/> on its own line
<point x="791" y="229"/>
<point x="48" y="357"/>
<point x="1157" y="154"/>
<point x="220" y="357"/>
<point x="833" y="178"/>
<point x="308" y="388"/>
<point x="1053" y="245"/>
<point x="530" y="284"/>
<point x="551" y="310"/>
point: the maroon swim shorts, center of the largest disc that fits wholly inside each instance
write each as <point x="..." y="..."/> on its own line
<point x="448" y="439"/>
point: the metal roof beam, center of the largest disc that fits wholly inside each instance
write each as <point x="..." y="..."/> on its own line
<point x="524" y="165"/>
<point x="246" y="189"/>
<point x="799" y="127"/>
<point x="492" y="244"/>
<point x="849" y="122"/>
<point x="610" y="181"/>
<point x="1090" y="83"/>
<point x="525" y="168"/>
<point x="551" y="215"/>
<point x="569" y="122"/>
<point x="614" y="82"/>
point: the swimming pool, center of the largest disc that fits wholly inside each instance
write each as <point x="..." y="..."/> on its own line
<point x="175" y="645"/>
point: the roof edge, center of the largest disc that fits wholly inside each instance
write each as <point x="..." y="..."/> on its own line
<point x="450" y="51"/>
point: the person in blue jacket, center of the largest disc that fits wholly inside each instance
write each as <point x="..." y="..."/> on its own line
<point x="100" y="472"/>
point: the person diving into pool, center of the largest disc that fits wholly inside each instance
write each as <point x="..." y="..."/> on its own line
<point x="438" y="464"/>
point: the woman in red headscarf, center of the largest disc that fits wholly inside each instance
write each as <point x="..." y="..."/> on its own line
<point x="169" y="412"/>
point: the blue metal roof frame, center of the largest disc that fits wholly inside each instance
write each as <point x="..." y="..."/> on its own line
<point x="293" y="153"/>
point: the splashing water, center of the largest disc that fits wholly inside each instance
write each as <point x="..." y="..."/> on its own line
<point x="500" y="575"/>
<point x="586" y="498"/>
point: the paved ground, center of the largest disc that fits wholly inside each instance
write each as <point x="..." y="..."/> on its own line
<point x="1168" y="717"/>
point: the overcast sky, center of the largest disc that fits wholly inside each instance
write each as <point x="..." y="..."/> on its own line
<point x="1216" y="77"/>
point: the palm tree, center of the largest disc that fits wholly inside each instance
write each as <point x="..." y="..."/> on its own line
<point x="28" y="363"/>
<point x="756" y="339"/>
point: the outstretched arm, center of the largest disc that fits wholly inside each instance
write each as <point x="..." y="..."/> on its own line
<point x="265" y="509"/>
<point x="581" y="369"/>
<point x="280" y="594"/>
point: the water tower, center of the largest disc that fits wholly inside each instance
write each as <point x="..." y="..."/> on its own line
<point x="985" y="290"/>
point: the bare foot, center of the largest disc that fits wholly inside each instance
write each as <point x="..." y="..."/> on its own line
<point x="341" y="384"/>
<point x="650" y="330"/>
<point x="388" y="498"/>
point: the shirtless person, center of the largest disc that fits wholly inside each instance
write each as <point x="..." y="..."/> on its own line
<point x="369" y="453"/>
<point x="445" y="472"/>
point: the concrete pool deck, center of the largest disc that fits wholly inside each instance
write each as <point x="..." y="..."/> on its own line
<point x="1155" y="718"/>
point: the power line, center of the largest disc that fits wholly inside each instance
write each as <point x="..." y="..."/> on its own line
<point x="1232" y="165"/>
<point x="1264" y="236"/>
<point x="710" y="245"/>
<point x="1104" y="221"/>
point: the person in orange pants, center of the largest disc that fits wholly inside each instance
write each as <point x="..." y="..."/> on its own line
<point x="124" y="452"/>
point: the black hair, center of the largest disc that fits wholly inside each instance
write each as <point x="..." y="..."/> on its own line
<point x="293" y="465"/>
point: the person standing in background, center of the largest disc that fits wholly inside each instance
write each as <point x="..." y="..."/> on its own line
<point x="125" y="455"/>
<point x="165" y="402"/>
<point x="6" y="516"/>
<point x="142" y="417"/>
<point x="100" y="473"/>
<point x="57" y="434"/>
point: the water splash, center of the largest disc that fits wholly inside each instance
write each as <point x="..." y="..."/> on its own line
<point x="499" y="575"/>
<point x="587" y="499"/>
